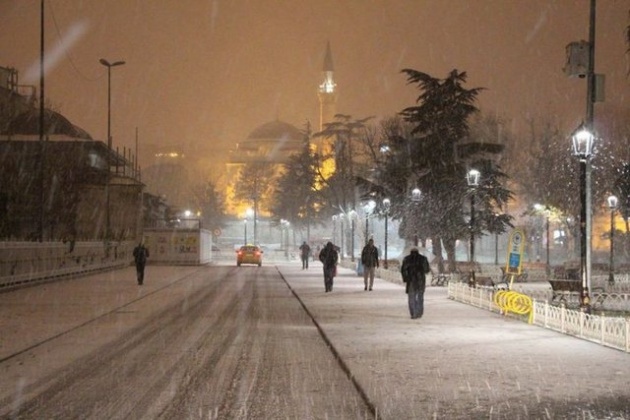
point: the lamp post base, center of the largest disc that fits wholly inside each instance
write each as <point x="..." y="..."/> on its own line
<point x="471" y="279"/>
<point x="585" y="302"/>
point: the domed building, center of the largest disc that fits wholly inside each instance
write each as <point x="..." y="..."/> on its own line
<point x="272" y="142"/>
<point x="265" y="151"/>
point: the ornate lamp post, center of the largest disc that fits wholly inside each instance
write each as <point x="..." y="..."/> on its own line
<point x="367" y="209"/>
<point x="582" y="148"/>
<point x="472" y="178"/>
<point x="612" y="205"/>
<point x="352" y="214"/>
<point x="341" y="234"/>
<point x="386" y="205"/>
<point x="109" y="141"/>
<point x="416" y="195"/>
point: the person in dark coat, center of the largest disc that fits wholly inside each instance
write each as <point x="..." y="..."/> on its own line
<point x="329" y="257"/>
<point x="414" y="268"/>
<point x="140" y="255"/>
<point x="305" y="253"/>
<point x="369" y="259"/>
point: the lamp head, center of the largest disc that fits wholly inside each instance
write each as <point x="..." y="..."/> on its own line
<point x="415" y="194"/>
<point x="583" y="140"/>
<point x="472" y="177"/>
<point x="612" y="202"/>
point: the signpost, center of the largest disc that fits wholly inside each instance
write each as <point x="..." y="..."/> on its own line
<point x="514" y="261"/>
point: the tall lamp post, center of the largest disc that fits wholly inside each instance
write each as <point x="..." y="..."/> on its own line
<point x="352" y="214"/>
<point x="245" y="231"/>
<point x="612" y="205"/>
<point x="367" y="209"/>
<point x="341" y="234"/>
<point x="545" y="210"/>
<point x="582" y="148"/>
<point x="248" y="213"/>
<point x="416" y="195"/>
<point x="334" y="232"/>
<point x="472" y="178"/>
<point x="109" y="141"/>
<point x="386" y="205"/>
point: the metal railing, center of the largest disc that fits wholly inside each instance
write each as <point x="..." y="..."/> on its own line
<point x="605" y="330"/>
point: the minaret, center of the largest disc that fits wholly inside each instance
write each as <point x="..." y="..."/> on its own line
<point x="327" y="91"/>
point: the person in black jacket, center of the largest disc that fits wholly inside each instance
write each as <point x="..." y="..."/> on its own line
<point x="140" y="255"/>
<point x="369" y="259"/>
<point x="305" y="253"/>
<point x="414" y="268"/>
<point x="329" y="257"/>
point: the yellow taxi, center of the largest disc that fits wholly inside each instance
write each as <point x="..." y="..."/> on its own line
<point x="249" y="254"/>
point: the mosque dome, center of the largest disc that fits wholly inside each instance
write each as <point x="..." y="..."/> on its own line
<point x="272" y="142"/>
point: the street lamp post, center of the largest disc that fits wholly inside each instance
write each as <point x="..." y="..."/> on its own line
<point x="386" y="205"/>
<point x="248" y="213"/>
<point x="582" y="147"/>
<point x="367" y="209"/>
<point x="352" y="213"/>
<point x="416" y="195"/>
<point x="612" y="205"/>
<point x="334" y="232"/>
<point x="547" y="239"/>
<point x="545" y="210"/>
<point x="472" y="178"/>
<point x="245" y="231"/>
<point x="109" y="141"/>
<point x="341" y="234"/>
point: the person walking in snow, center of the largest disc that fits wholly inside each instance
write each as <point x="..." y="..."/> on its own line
<point x="329" y="257"/>
<point x="305" y="252"/>
<point x="414" y="269"/>
<point x="369" y="259"/>
<point x="140" y="255"/>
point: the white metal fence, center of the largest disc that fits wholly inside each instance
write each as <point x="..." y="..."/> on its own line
<point x="608" y="331"/>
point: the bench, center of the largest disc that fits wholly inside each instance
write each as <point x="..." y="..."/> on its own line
<point x="465" y="270"/>
<point x="439" y="279"/>
<point x="565" y="291"/>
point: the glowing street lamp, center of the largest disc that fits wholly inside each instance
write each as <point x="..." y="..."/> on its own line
<point x="583" y="140"/>
<point x="416" y="195"/>
<point x="109" y="66"/>
<point x="352" y="214"/>
<point x="472" y="178"/>
<point x="248" y="214"/>
<point x="386" y="205"/>
<point x="341" y="234"/>
<point x="367" y="209"/>
<point x="612" y="205"/>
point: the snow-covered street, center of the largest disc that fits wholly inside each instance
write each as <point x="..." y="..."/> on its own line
<point x="227" y="342"/>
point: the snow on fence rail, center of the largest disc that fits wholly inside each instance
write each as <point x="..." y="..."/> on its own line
<point x="608" y="331"/>
<point x="31" y="262"/>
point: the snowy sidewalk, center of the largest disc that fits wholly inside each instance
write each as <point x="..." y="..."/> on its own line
<point x="459" y="361"/>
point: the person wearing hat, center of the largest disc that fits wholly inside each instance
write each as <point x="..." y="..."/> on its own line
<point x="414" y="268"/>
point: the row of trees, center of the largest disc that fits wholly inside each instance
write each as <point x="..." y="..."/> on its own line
<point x="431" y="146"/>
